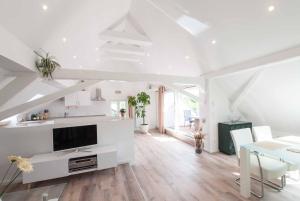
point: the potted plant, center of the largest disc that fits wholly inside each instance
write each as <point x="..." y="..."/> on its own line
<point x="139" y="103"/>
<point x="46" y="114"/>
<point x="122" y="111"/>
<point x="22" y="165"/>
<point x="199" y="142"/>
<point x="46" y="65"/>
<point x="199" y="135"/>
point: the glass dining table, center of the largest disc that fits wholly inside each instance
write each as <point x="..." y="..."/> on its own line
<point x="286" y="149"/>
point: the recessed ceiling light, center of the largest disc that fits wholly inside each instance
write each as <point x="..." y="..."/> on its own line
<point x="97" y="60"/>
<point x="187" y="57"/>
<point x="170" y="67"/>
<point x="271" y="8"/>
<point x="64" y="39"/>
<point x="97" y="48"/>
<point x="141" y="63"/>
<point x="74" y="57"/>
<point x="45" y="7"/>
<point x="80" y="66"/>
<point x="148" y="54"/>
<point x="213" y="42"/>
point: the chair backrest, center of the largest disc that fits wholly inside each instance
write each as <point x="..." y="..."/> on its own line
<point x="262" y="133"/>
<point x="241" y="137"/>
<point x="187" y="115"/>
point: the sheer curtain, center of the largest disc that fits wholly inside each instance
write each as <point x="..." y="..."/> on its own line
<point x="161" y="93"/>
<point x="130" y="111"/>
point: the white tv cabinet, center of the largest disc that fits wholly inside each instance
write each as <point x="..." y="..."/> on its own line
<point x="54" y="165"/>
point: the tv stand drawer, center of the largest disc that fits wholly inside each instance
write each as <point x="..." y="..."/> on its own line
<point x="83" y="163"/>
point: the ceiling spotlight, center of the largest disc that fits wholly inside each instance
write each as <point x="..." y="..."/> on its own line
<point x="148" y="54"/>
<point x="141" y="63"/>
<point x="80" y="66"/>
<point x="97" y="48"/>
<point x="64" y="39"/>
<point x="45" y="7"/>
<point x="74" y="57"/>
<point x="271" y="8"/>
<point x="213" y="42"/>
<point x="187" y="57"/>
<point x="97" y="60"/>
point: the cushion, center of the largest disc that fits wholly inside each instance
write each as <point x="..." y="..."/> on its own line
<point x="271" y="168"/>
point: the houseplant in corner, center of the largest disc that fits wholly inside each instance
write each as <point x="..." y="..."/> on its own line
<point x="139" y="103"/>
<point x="46" y="65"/>
<point x="22" y="165"/>
<point x="143" y="99"/>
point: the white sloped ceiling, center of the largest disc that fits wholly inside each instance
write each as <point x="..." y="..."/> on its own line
<point x="273" y="100"/>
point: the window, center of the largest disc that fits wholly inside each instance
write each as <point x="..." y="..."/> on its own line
<point x="115" y="107"/>
<point x="179" y="112"/>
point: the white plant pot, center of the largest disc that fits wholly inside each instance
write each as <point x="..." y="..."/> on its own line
<point x="144" y="128"/>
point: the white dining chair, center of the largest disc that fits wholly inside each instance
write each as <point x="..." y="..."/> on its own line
<point x="263" y="168"/>
<point x="262" y="133"/>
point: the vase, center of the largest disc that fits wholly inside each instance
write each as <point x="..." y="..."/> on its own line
<point x="199" y="146"/>
<point x="144" y="128"/>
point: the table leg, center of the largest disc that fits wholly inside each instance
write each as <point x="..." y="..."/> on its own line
<point x="28" y="186"/>
<point x="245" y="188"/>
<point x="115" y="170"/>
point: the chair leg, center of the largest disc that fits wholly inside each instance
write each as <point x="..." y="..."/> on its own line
<point x="276" y="186"/>
<point x="253" y="193"/>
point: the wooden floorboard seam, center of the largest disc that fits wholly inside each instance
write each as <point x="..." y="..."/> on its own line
<point x="138" y="183"/>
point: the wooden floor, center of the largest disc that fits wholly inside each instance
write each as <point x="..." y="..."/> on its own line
<point x="166" y="169"/>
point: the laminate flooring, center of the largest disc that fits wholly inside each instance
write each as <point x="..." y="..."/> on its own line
<point x="165" y="169"/>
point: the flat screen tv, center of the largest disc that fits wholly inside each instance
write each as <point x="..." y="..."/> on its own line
<point x="74" y="137"/>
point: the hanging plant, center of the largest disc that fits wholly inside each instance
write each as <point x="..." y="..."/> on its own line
<point x="46" y="65"/>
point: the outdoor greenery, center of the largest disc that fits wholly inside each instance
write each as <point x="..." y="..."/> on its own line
<point x="140" y="102"/>
<point x="46" y="65"/>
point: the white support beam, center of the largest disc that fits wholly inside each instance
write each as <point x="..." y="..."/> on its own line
<point x="54" y="83"/>
<point x="12" y="49"/>
<point x="121" y="57"/>
<point x="126" y="38"/>
<point x="75" y="74"/>
<point x="246" y="89"/>
<point x="15" y="86"/>
<point x="175" y="88"/>
<point x="46" y="99"/>
<point x="130" y="18"/>
<point x="4" y="80"/>
<point x="260" y="62"/>
<point x="125" y="49"/>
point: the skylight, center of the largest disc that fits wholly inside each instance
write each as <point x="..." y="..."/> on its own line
<point x="191" y="25"/>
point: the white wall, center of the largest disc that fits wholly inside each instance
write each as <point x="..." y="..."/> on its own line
<point x="274" y="99"/>
<point x="216" y="109"/>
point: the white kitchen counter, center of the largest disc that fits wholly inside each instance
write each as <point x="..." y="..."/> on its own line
<point x="61" y="121"/>
<point x="36" y="138"/>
